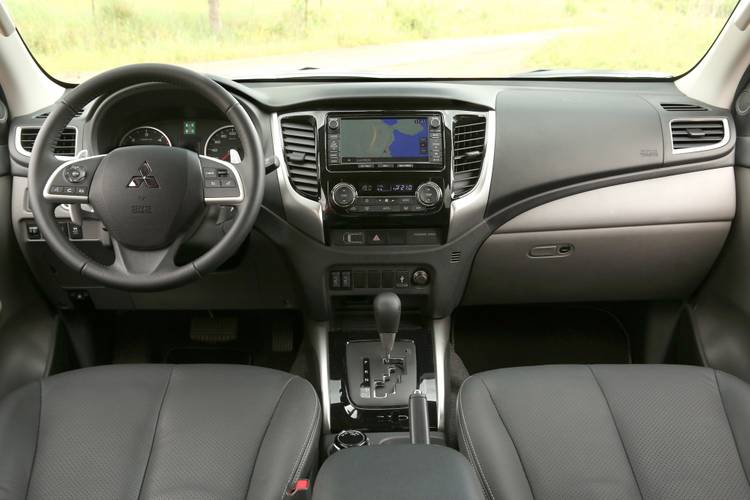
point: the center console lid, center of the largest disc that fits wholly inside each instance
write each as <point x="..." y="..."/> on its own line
<point x="397" y="472"/>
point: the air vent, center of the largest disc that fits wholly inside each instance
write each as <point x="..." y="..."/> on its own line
<point x="455" y="257"/>
<point x="682" y="107"/>
<point x="66" y="144"/>
<point x="298" y="133"/>
<point x="468" y="152"/>
<point x="689" y="136"/>
<point x="46" y="114"/>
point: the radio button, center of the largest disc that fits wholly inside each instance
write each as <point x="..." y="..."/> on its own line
<point x="404" y="165"/>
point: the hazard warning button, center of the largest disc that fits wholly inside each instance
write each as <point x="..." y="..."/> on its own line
<point x="376" y="238"/>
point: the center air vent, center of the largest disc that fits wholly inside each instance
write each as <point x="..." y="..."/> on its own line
<point x="300" y="149"/>
<point x="676" y="106"/>
<point x="689" y="136"/>
<point x="65" y="146"/>
<point x="468" y="152"/>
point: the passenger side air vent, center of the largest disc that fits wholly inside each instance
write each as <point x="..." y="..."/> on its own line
<point x="689" y="136"/>
<point x="46" y="114"/>
<point x="468" y="152"/>
<point x="65" y="146"/>
<point x="682" y="107"/>
<point x="300" y="154"/>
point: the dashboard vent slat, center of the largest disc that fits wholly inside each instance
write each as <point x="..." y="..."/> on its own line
<point x="469" y="139"/>
<point x="698" y="135"/>
<point x="675" y="106"/>
<point x="44" y="115"/>
<point x="300" y="154"/>
<point x="65" y="145"/>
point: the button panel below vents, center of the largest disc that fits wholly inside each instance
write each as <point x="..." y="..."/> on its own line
<point x="65" y="146"/>
<point x="698" y="135"/>
<point x="300" y="154"/>
<point x="469" y="139"/>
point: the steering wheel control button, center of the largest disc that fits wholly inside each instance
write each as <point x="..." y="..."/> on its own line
<point x="74" y="174"/>
<point x="221" y="184"/>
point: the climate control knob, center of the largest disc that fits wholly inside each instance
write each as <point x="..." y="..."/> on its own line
<point x="429" y="194"/>
<point x="343" y="195"/>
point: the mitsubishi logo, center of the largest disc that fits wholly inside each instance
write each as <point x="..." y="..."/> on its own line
<point x="144" y="178"/>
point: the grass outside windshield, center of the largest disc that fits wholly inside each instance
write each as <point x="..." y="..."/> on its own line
<point x="74" y="39"/>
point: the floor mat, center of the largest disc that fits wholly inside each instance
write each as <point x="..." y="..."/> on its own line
<point x="498" y="337"/>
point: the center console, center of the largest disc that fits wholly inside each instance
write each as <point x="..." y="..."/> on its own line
<point x="385" y="179"/>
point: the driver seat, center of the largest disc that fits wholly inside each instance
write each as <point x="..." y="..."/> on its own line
<point x="159" y="431"/>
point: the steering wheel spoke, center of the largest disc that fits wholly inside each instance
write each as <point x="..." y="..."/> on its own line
<point x="222" y="183"/>
<point x="129" y="261"/>
<point x="70" y="182"/>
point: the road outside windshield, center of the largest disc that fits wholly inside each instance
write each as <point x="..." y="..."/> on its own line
<point x="74" y="39"/>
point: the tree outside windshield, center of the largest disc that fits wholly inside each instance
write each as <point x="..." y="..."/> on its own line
<point x="74" y="39"/>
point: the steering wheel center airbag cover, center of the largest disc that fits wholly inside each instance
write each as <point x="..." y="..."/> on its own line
<point x="147" y="195"/>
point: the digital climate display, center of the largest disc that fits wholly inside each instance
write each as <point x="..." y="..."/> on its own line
<point x="383" y="188"/>
<point x="391" y="139"/>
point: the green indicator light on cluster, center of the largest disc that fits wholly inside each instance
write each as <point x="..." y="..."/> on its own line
<point x="188" y="127"/>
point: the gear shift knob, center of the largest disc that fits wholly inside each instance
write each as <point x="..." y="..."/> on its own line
<point x="387" y="308"/>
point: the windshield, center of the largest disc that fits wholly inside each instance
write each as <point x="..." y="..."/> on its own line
<point x="74" y="39"/>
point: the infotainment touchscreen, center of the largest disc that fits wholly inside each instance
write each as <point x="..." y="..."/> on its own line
<point x="370" y="141"/>
<point x="384" y="139"/>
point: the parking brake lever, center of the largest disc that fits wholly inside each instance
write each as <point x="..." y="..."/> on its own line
<point x="419" y="420"/>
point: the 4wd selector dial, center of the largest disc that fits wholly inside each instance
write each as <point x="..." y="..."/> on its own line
<point x="429" y="194"/>
<point x="343" y="195"/>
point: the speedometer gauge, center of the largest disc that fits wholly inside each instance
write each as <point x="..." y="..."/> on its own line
<point x="224" y="144"/>
<point x="145" y="136"/>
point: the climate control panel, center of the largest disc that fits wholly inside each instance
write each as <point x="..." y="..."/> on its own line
<point x="404" y="198"/>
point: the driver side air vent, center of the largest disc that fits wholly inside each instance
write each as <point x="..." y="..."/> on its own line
<point x="689" y="136"/>
<point x="65" y="146"/>
<point x="46" y="114"/>
<point x="300" y="154"/>
<point x="468" y="152"/>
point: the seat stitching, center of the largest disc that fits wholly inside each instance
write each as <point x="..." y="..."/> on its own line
<point x="307" y="445"/>
<point x="518" y="454"/>
<point x="617" y="429"/>
<point x="36" y="442"/>
<point x="156" y="427"/>
<point x="263" y="438"/>
<point x="473" y="455"/>
<point x="731" y="429"/>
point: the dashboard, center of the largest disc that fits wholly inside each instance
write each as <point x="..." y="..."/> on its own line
<point x="461" y="192"/>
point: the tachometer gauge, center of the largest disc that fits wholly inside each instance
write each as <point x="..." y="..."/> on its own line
<point x="145" y="136"/>
<point x="224" y="144"/>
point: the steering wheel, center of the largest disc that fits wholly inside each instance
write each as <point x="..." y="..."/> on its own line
<point x="149" y="198"/>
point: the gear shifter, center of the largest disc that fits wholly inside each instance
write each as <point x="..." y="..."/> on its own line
<point x="387" y="307"/>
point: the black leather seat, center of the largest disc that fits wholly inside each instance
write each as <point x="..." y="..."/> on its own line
<point x="593" y="432"/>
<point x="158" y="431"/>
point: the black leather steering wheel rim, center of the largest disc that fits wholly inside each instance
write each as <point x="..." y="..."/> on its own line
<point x="43" y="163"/>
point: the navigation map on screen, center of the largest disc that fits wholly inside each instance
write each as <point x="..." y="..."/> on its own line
<point x="384" y="138"/>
